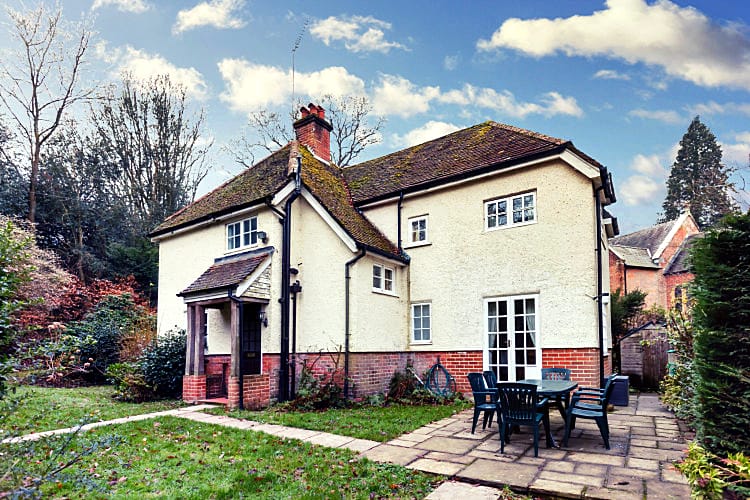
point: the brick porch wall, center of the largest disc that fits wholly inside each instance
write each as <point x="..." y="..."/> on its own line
<point x="256" y="391"/>
<point x="193" y="388"/>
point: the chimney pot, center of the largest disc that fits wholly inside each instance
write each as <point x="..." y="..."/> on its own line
<point x="303" y="111"/>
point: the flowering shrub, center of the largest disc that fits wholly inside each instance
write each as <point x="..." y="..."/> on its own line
<point x="712" y="477"/>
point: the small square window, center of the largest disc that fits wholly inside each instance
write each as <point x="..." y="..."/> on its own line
<point x="383" y="279"/>
<point x="242" y="234"/>
<point x="421" y="323"/>
<point x="418" y="230"/>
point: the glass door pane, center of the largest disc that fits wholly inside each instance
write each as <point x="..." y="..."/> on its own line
<point x="498" y="339"/>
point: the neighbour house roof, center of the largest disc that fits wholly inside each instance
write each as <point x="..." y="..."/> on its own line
<point x="634" y="256"/>
<point x="649" y="238"/>
<point x="680" y="262"/>
<point x="228" y="272"/>
<point x="470" y="151"/>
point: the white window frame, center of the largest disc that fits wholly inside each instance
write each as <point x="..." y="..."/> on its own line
<point x="243" y="232"/>
<point x="491" y="213"/>
<point x="383" y="280"/>
<point x="411" y="231"/>
<point x="421" y="329"/>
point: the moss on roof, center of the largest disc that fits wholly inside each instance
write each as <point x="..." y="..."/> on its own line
<point x="251" y="186"/>
<point x="460" y="153"/>
<point x="326" y="183"/>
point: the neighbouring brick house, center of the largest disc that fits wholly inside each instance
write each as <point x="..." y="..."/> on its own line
<point x="486" y="248"/>
<point x="654" y="260"/>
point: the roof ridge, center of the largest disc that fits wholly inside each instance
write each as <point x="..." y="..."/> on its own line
<point x="531" y="133"/>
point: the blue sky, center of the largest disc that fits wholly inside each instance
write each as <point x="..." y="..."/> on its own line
<point x="622" y="79"/>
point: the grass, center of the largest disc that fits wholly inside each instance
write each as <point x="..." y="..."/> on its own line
<point x="377" y="423"/>
<point x="45" y="408"/>
<point x="175" y="458"/>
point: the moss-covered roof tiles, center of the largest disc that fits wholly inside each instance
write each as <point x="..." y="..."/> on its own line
<point x="227" y="272"/>
<point x="250" y="187"/>
<point x="327" y="185"/>
<point x="460" y="153"/>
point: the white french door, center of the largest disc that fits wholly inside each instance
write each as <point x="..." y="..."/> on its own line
<point x="512" y="348"/>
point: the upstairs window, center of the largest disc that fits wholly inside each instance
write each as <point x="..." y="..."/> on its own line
<point x="510" y="211"/>
<point x="418" y="233"/>
<point x="242" y="233"/>
<point x="382" y="279"/>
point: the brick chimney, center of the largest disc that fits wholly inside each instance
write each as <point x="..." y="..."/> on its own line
<point x="314" y="131"/>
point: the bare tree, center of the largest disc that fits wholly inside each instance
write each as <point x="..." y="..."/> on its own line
<point x="41" y="79"/>
<point x="352" y="130"/>
<point x="157" y="147"/>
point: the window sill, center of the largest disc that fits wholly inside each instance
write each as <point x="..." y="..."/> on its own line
<point x="508" y="226"/>
<point x="243" y="249"/>
<point x="418" y="244"/>
<point x="420" y="342"/>
<point x="383" y="292"/>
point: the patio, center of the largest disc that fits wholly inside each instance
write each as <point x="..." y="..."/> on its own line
<point x="645" y="440"/>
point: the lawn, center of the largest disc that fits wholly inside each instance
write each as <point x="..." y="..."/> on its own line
<point x="377" y="423"/>
<point x="174" y="458"/>
<point x="45" y="408"/>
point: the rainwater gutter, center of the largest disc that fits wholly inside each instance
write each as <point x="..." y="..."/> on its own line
<point x="599" y="284"/>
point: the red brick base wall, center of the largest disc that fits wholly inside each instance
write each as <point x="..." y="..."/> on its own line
<point x="193" y="388"/>
<point x="583" y="364"/>
<point x="256" y="389"/>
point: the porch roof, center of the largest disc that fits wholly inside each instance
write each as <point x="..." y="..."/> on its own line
<point x="228" y="272"/>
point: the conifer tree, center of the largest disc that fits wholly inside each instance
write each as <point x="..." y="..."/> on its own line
<point x="698" y="180"/>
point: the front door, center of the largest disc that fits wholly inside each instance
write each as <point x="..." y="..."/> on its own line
<point x="250" y="359"/>
<point x="512" y="337"/>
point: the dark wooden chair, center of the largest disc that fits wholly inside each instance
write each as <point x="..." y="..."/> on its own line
<point x="485" y="400"/>
<point x="591" y="404"/>
<point x="555" y="374"/>
<point x="519" y="406"/>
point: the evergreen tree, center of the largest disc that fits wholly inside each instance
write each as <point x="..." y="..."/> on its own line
<point x="698" y="179"/>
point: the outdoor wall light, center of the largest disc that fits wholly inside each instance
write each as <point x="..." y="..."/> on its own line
<point x="263" y="318"/>
<point x="262" y="236"/>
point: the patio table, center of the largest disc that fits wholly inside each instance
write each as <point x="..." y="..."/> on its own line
<point x="557" y="390"/>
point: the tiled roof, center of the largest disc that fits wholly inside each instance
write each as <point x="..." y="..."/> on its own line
<point x="327" y="185"/>
<point x="634" y="256"/>
<point x="680" y="262"/>
<point x="250" y="187"/>
<point x="228" y="272"/>
<point x="651" y="237"/>
<point x="455" y="155"/>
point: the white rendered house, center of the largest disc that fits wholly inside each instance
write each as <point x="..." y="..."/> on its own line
<point x="486" y="248"/>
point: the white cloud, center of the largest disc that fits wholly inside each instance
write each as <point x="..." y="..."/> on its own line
<point x="144" y="66"/>
<point x="250" y="87"/>
<point x="430" y="130"/>
<point x="220" y="14"/>
<point x="738" y="153"/>
<point x="551" y="103"/>
<point x="359" y="33"/>
<point x="648" y="183"/>
<point x="714" y="108"/>
<point x="682" y="41"/>
<point x="610" y="74"/>
<point x="666" y="116"/>
<point x="450" y="62"/>
<point x="395" y="95"/>
<point x="134" y="6"/>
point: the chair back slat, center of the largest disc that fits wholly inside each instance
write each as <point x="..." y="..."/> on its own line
<point x="518" y="402"/>
<point x="555" y="374"/>
<point x="490" y="378"/>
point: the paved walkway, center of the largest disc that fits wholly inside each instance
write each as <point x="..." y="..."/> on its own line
<point x="645" y="439"/>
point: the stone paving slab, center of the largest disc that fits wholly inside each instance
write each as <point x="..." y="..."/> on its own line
<point x="452" y="490"/>
<point x="393" y="454"/>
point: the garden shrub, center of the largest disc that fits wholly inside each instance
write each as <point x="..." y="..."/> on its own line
<point x="721" y="262"/>
<point x="712" y="477"/>
<point x="111" y="321"/>
<point x="678" y="386"/>
<point x="163" y="363"/>
<point x="130" y="384"/>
